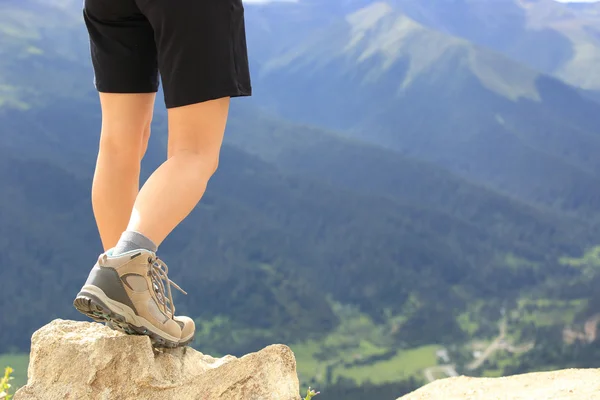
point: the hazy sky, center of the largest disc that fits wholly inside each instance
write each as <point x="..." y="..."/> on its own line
<point x="562" y="1"/>
<point x="267" y="1"/>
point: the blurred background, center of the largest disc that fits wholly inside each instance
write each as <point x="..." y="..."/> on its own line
<point x="413" y="191"/>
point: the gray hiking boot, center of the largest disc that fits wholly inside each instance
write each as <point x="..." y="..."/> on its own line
<point x="132" y="293"/>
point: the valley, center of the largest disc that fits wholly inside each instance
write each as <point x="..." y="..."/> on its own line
<point x="405" y="198"/>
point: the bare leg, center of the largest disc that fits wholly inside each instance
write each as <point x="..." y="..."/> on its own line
<point x="175" y="188"/>
<point x="126" y="122"/>
<point x="192" y="158"/>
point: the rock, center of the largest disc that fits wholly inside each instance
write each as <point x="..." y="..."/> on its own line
<point x="570" y="384"/>
<point x="81" y="360"/>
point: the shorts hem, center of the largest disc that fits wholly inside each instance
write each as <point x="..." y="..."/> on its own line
<point x="240" y="92"/>
<point x="101" y="89"/>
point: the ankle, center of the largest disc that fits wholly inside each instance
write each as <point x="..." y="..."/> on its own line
<point x="132" y="240"/>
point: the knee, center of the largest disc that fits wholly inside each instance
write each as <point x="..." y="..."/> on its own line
<point x="118" y="144"/>
<point x="125" y="142"/>
<point x="205" y="161"/>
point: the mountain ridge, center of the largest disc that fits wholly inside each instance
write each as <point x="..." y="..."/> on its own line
<point x="468" y="109"/>
<point x="555" y="38"/>
<point x="378" y="32"/>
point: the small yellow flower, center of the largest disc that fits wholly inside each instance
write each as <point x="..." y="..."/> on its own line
<point x="310" y="394"/>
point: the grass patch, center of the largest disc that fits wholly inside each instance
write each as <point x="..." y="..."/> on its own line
<point x="405" y="364"/>
<point x="546" y="312"/>
<point x="589" y="264"/>
<point x="359" y="350"/>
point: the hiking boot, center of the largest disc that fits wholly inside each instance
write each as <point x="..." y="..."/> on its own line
<point x="132" y="293"/>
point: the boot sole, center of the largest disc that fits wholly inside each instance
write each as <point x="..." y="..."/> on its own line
<point x="90" y="305"/>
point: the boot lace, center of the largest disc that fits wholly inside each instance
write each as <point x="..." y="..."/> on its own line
<point x="162" y="285"/>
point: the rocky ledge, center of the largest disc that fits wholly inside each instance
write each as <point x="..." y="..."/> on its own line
<point x="88" y="361"/>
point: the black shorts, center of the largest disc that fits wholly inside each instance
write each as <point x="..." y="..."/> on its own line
<point x="197" y="47"/>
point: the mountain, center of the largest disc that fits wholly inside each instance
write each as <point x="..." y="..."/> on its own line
<point x="301" y="222"/>
<point x="552" y="37"/>
<point x="273" y="222"/>
<point x="330" y="157"/>
<point x="40" y="49"/>
<point x="559" y="39"/>
<point x="445" y="100"/>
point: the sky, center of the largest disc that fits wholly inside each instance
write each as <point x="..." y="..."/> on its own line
<point x="561" y="1"/>
<point x="268" y="1"/>
<point x="577" y="1"/>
